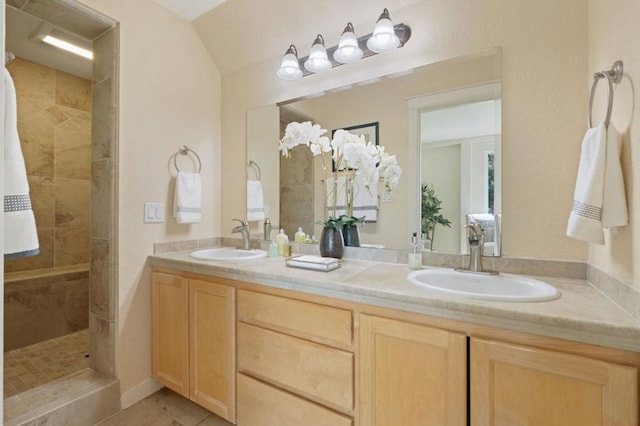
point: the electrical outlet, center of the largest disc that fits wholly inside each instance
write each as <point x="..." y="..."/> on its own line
<point x="387" y="196"/>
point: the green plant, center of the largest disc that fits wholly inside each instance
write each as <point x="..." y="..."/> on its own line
<point x="431" y="213"/>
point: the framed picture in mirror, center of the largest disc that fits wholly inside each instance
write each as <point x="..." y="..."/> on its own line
<point x="370" y="131"/>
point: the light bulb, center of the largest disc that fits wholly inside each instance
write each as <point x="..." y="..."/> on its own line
<point x="318" y="60"/>
<point x="348" y="49"/>
<point x="290" y="67"/>
<point x="384" y="36"/>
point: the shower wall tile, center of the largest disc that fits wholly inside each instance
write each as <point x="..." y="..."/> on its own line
<point x="102" y="345"/>
<point x="102" y="296"/>
<point x="104" y="62"/>
<point x="72" y="202"/>
<point x="75" y="304"/>
<point x="56" y="114"/>
<point x="72" y="154"/>
<point x="102" y="129"/>
<point x="71" y="245"/>
<point x="37" y="141"/>
<point x="42" y="194"/>
<point x="73" y="92"/>
<point x="102" y="198"/>
<point x="33" y="80"/>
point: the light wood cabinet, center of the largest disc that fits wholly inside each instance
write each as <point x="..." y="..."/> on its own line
<point x="411" y="374"/>
<point x="212" y="347"/>
<point x="517" y="385"/>
<point x="260" y="404"/>
<point x="170" y="337"/>
<point x="193" y="340"/>
<point x="294" y="352"/>
<point x="305" y="360"/>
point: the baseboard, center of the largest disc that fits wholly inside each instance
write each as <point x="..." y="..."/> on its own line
<point x="139" y="392"/>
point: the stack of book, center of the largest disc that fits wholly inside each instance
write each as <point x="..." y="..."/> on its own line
<point x="315" y="263"/>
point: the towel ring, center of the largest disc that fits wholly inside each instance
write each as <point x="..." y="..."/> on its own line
<point x="614" y="75"/>
<point x="185" y="150"/>
<point x="254" y="166"/>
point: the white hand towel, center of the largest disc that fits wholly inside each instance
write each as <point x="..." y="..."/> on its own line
<point x="20" y="233"/>
<point x="599" y="197"/>
<point x="187" y="202"/>
<point x="255" y="200"/>
<point x="365" y="202"/>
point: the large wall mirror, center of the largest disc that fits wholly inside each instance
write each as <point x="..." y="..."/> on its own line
<point x="441" y="120"/>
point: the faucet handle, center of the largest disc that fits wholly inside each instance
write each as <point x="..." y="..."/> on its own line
<point x="242" y="222"/>
<point x="475" y="228"/>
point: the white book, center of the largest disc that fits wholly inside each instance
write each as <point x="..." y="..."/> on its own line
<point x="315" y="263"/>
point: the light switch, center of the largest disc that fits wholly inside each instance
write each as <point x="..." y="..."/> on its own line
<point x="153" y="212"/>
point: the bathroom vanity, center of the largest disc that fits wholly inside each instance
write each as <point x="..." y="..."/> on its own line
<point x="261" y="344"/>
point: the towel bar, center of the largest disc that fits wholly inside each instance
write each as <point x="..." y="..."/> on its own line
<point x="614" y="75"/>
<point x="185" y="150"/>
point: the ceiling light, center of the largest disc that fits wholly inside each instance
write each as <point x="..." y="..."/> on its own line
<point x="318" y="60"/>
<point x="384" y="37"/>
<point x="290" y="66"/>
<point x="348" y="49"/>
<point x="69" y="47"/>
<point x="62" y="39"/>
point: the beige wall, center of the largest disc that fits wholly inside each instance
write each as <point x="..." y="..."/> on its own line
<point x="54" y="124"/>
<point x="612" y="36"/>
<point x="544" y="67"/>
<point x="169" y="96"/>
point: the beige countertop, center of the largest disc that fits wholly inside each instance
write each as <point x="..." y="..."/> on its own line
<point x="582" y="313"/>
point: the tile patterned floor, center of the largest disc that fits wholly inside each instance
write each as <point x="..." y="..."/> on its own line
<point x="164" y="408"/>
<point x="31" y="366"/>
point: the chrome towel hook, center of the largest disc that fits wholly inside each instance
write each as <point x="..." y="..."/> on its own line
<point x="614" y="75"/>
<point x="185" y="150"/>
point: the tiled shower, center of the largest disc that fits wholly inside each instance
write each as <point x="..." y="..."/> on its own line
<point x="47" y="296"/>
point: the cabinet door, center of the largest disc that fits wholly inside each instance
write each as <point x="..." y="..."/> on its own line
<point x="170" y="331"/>
<point x="517" y="385"/>
<point x="411" y="374"/>
<point x="212" y="336"/>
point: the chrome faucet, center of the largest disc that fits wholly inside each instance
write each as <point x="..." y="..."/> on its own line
<point x="475" y="242"/>
<point x="243" y="229"/>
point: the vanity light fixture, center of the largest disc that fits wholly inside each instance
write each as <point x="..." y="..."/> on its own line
<point x="348" y="49"/>
<point x="318" y="60"/>
<point x="385" y="37"/>
<point x="290" y="66"/>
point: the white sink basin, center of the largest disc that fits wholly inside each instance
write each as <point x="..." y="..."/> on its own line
<point x="227" y="253"/>
<point x="503" y="287"/>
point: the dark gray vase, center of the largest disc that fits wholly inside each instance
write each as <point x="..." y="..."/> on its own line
<point x="351" y="235"/>
<point x="331" y="243"/>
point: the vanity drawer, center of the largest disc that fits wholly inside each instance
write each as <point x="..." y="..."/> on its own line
<point x="321" y="323"/>
<point x="314" y="371"/>
<point x="262" y="405"/>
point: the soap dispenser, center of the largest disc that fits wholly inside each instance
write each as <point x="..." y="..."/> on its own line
<point x="300" y="236"/>
<point x="415" y="253"/>
<point x="281" y="240"/>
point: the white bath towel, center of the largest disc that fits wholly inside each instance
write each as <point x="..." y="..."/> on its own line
<point x="599" y="197"/>
<point x="255" y="200"/>
<point x="20" y="233"/>
<point x="187" y="202"/>
<point x="365" y="202"/>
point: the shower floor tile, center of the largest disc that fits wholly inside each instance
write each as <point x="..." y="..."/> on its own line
<point x="31" y="366"/>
